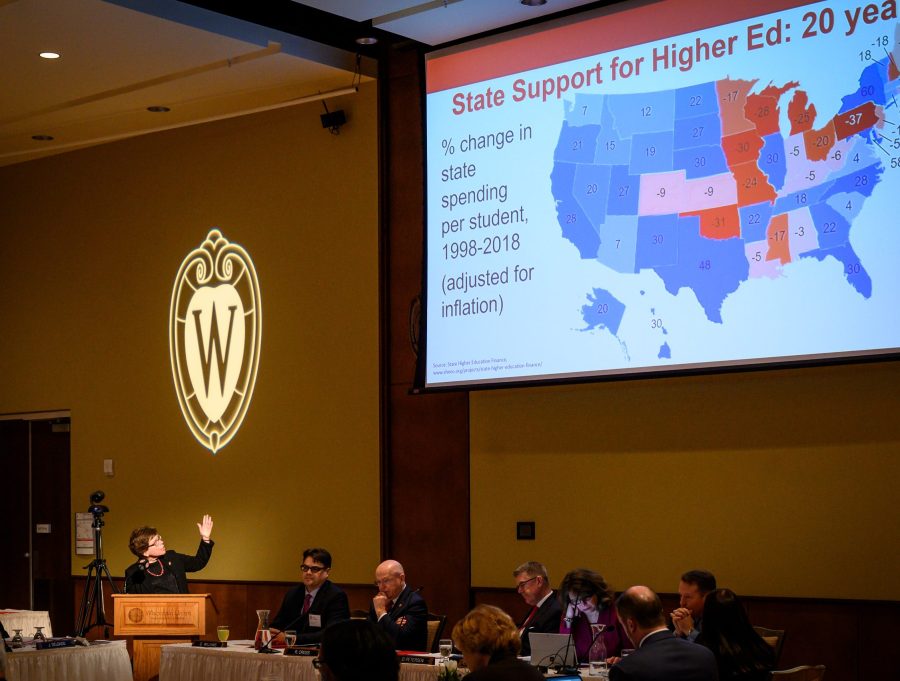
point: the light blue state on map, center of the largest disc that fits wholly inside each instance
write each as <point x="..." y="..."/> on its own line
<point x="618" y="243"/>
<point x="696" y="100"/>
<point x="607" y="142"/>
<point x="651" y="152"/>
<point x="587" y="110"/>
<point x="699" y="131"/>
<point x="590" y="189"/>
<point x="605" y="311"/>
<point x="644" y="112"/>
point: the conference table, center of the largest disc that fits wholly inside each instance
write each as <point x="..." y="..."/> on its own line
<point x="26" y="621"/>
<point x="240" y="662"/>
<point x="101" y="661"/>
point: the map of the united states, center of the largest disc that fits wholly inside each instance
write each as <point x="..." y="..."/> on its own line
<point x="712" y="185"/>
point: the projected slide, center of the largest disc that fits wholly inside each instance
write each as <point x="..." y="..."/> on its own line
<point x="693" y="195"/>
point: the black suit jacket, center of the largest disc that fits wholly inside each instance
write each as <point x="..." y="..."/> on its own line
<point x="546" y="621"/>
<point x="412" y="633"/>
<point x="330" y="604"/>
<point x="177" y="564"/>
<point x="662" y="657"/>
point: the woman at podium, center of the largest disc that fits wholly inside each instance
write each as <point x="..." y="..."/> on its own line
<point x="161" y="571"/>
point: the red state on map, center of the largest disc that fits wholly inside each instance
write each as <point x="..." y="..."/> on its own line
<point x="819" y="142"/>
<point x="850" y="122"/>
<point x="802" y="117"/>
<point x="893" y="71"/>
<point x="777" y="236"/>
<point x="732" y="99"/>
<point x="742" y="147"/>
<point x="722" y="222"/>
<point x="752" y="184"/>
<point x="762" y="109"/>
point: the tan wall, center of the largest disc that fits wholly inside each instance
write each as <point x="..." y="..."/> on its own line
<point x="781" y="482"/>
<point x="90" y="243"/>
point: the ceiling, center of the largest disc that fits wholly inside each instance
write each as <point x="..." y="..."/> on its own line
<point x="119" y="57"/>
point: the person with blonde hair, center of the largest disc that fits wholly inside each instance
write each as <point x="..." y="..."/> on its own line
<point x="489" y="642"/>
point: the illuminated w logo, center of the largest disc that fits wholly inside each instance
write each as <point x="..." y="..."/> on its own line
<point x="221" y="361"/>
<point x="216" y="297"/>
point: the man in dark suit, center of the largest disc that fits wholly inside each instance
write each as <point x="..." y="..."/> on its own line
<point x="316" y="604"/>
<point x="400" y="612"/>
<point x="533" y="585"/>
<point x="687" y="619"/>
<point x="659" y="655"/>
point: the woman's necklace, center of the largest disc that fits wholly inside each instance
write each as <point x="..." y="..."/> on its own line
<point x="157" y="574"/>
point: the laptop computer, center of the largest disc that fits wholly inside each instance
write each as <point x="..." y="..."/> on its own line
<point x="552" y="650"/>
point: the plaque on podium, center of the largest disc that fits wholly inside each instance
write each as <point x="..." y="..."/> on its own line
<point x="154" y="620"/>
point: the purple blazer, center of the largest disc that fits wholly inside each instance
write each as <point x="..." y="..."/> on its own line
<point x="614" y="636"/>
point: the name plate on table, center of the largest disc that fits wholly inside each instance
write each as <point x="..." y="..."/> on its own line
<point x="416" y="658"/>
<point x="54" y="643"/>
<point x="209" y="644"/>
<point x="299" y="651"/>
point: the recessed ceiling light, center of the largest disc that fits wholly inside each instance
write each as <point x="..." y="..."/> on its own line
<point x="366" y="40"/>
<point x="42" y="138"/>
<point x="49" y="55"/>
<point x="533" y="3"/>
<point x="158" y="109"/>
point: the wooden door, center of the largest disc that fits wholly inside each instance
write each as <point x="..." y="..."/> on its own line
<point x="15" y="552"/>
<point x="51" y="510"/>
<point x="34" y="458"/>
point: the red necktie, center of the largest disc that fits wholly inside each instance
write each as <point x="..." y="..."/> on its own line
<point x="528" y="619"/>
<point x="306" y="603"/>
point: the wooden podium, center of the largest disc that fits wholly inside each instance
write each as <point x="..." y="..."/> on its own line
<point x="153" y="620"/>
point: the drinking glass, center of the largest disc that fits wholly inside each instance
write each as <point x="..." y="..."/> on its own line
<point x="598" y="669"/>
<point x="222" y="631"/>
<point x="290" y="637"/>
<point x="445" y="646"/>
<point x="39" y="634"/>
<point x="17" y="638"/>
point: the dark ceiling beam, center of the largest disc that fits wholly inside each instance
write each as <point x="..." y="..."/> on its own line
<point x="307" y="22"/>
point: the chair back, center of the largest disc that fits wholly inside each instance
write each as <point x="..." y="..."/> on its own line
<point x="804" y="673"/>
<point x="435" y="625"/>
<point x="774" y="637"/>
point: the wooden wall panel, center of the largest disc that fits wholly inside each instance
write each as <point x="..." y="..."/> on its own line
<point x="425" y="447"/>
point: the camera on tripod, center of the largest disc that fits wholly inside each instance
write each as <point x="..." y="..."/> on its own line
<point x="96" y="507"/>
<point x="92" y="613"/>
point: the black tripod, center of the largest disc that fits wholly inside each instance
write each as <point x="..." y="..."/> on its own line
<point x="93" y="613"/>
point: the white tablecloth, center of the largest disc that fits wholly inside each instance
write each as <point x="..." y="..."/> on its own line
<point x="99" y="662"/>
<point x="26" y="620"/>
<point x="240" y="662"/>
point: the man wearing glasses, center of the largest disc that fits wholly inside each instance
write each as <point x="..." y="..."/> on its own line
<point x="533" y="585"/>
<point x="316" y="604"/>
<point x="400" y="612"/>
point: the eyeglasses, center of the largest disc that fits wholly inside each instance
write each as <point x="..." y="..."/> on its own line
<point x="156" y="542"/>
<point x="521" y="585"/>
<point x="317" y="663"/>
<point x="315" y="569"/>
